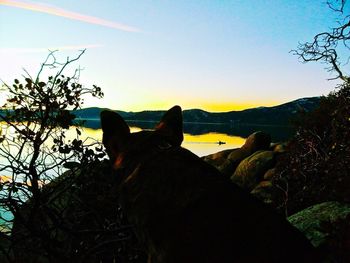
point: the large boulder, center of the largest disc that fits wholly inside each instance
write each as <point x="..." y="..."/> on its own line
<point x="217" y="159"/>
<point x="327" y="226"/>
<point x="232" y="161"/>
<point x="267" y="192"/>
<point x="257" y="141"/>
<point x="252" y="169"/>
<point x="227" y="161"/>
<point x="270" y="174"/>
<point x="279" y="147"/>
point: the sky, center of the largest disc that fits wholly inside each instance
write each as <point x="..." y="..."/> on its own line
<point x="216" y="55"/>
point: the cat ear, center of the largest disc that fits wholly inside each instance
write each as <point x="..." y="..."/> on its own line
<point x="171" y="126"/>
<point x="115" y="133"/>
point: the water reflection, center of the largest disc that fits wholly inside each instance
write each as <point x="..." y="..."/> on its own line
<point x="203" y="138"/>
<point x="200" y="138"/>
<point x="208" y="143"/>
<point x="278" y="133"/>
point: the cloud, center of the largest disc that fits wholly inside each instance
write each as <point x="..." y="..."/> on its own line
<point x="35" y="50"/>
<point x="53" y="10"/>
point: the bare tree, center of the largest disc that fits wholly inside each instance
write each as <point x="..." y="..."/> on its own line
<point x="331" y="47"/>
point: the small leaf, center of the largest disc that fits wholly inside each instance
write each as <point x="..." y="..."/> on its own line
<point x="41" y="84"/>
<point x="71" y="165"/>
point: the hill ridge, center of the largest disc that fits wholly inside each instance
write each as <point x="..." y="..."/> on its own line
<point x="274" y="115"/>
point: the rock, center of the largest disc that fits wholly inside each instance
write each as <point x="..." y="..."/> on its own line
<point x="238" y="155"/>
<point x="271" y="173"/>
<point x="257" y="141"/>
<point x="327" y="226"/>
<point x="217" y="159"/>
<point x="232" y="161"/>
<point x="251" y="170"/>
<point x="267" y="192"/>
<point x="279" y="147"/>
<point x="263" y="191"/>
<point x="227" y="161"/>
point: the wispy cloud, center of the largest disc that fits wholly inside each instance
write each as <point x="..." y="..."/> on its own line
<point x="35" y="50"/>
<point x="57" y="11"/>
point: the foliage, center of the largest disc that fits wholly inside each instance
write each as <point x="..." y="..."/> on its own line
<point x="316" y="169"/>
<point x="55" y="193"/>
<point x="34" y="145"/>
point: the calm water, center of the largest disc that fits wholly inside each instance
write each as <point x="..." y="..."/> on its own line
<point x="200" y="144"/>
<point x="202" y="138"/>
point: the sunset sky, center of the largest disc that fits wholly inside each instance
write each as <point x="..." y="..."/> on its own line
<point x="216" y="55"/>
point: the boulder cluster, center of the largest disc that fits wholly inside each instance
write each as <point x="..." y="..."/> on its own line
<point x="253" y="167"/>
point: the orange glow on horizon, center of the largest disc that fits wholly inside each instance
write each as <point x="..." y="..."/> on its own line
<point x="210" y="107"/>
<point x="229" y="105"/>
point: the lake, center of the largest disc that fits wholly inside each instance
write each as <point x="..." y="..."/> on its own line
<point x="200" y="138"/>
<point x="203" y="138"/>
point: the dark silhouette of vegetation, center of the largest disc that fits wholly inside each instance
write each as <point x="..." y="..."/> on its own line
<point x="317" y="167"/>
<point x="57" y="198"/>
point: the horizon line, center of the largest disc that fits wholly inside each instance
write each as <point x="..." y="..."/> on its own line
<point x="187" y="109"/>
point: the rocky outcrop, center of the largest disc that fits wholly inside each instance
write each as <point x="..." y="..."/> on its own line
<point x="252" y="165"/>
<point x="217" y="159"/>
<point x="327" y="226"/>
<point x="252" y="169"/>
<point x="228" y="160"/>
<point x="257" y="141"/>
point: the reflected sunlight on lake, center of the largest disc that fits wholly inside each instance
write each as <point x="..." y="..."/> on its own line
<point x="208" y="143"/>
<point x="201" y="145"/>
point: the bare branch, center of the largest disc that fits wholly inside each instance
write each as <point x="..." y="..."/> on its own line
<point x="326" y="46"/>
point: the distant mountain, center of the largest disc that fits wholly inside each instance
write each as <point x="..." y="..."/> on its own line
<point x="277" y="115"/>
<point x="94" y="113"/>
